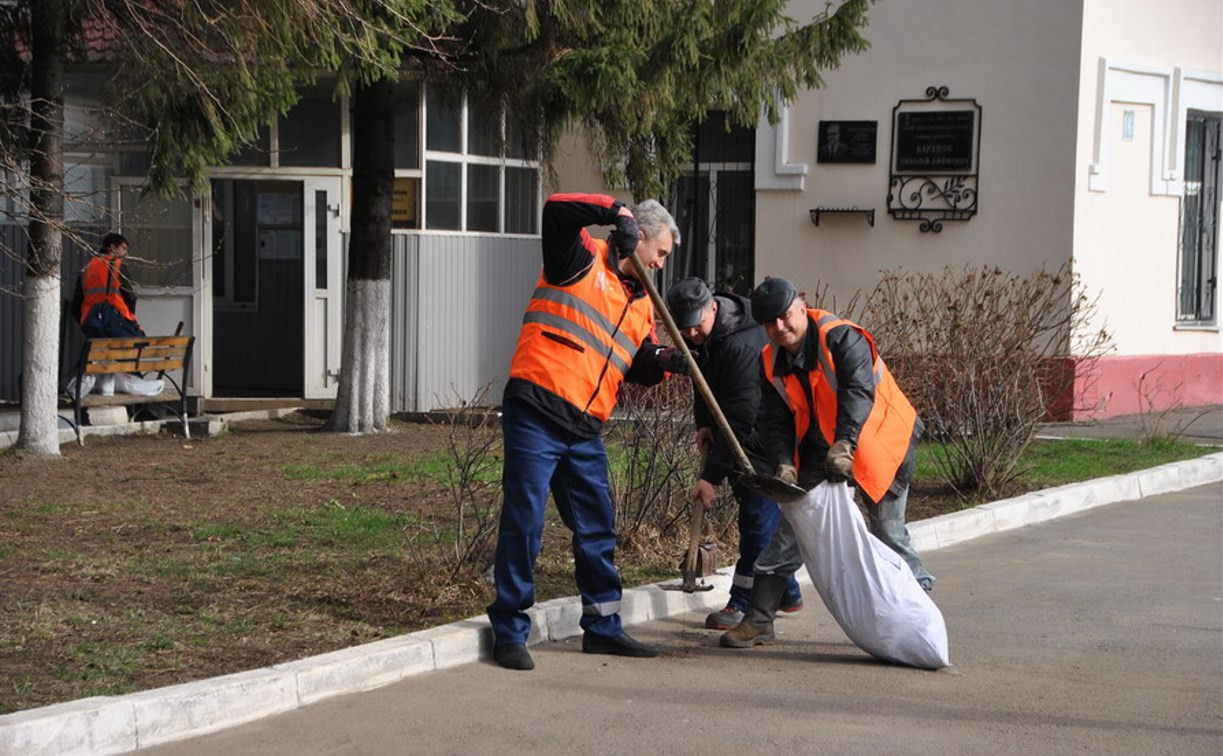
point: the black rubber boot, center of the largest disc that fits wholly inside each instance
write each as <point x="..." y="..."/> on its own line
<point x="756" y="629"/>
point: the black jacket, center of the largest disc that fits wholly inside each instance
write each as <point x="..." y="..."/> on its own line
<point x="730" y="361"/>
<point x="855" y="399"/>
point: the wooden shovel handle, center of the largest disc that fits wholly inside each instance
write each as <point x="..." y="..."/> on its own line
<point x="698" y="380"/>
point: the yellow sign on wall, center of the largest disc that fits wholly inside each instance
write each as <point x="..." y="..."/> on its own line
<point x="405" y="203"/>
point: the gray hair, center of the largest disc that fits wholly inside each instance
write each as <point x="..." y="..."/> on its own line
<point x="653" y="219"/>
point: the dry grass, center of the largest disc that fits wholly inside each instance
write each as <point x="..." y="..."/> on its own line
<point x="138" y="562"/>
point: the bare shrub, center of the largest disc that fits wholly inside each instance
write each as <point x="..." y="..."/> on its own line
<point x="653" y="463"/>
<point x="464" y="538"/>
<point x="985" y="356"/>
<point x="1160" y="425"/>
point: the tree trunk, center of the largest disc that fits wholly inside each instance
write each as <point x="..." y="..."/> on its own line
<point x="40" y="361"/>
<point x="363" y="397"/>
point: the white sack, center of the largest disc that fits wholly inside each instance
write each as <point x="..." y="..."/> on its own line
<point x="130" y="384"/>
<point x="86" y="385"/>
<point x="866" y="586"/>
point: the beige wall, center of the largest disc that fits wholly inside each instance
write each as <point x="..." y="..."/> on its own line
<point x="578" y="171"/>
<point x="1018" y="61"/>
<point x="1136" y="57"/>
<point x="1056" y="180"/>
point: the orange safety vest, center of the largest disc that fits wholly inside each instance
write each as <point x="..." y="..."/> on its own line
<point x="885" y="436"/>
<point x="100" y="282"/>
<point x="578" y="340"/>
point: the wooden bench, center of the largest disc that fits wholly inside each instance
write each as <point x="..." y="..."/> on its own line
<point x="138" y="354"/>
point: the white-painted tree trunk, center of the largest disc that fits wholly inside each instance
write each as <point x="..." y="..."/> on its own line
<point x="363" y="399"/>
<point x="40" y="367"/>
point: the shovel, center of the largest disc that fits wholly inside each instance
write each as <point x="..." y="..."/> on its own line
<point x="701" y="559"/>
<point x="766" y="485"/>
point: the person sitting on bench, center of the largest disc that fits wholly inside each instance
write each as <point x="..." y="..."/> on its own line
<point x="105" y="305"/>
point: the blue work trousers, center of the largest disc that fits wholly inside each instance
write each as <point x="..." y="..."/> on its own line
<point x="540" y="456"/>
<point x="758" y="519"/>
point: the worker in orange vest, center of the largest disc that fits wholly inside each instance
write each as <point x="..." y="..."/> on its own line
<point x="830" y="410"/>
<point x="588" y="328"/>
<point x="105" y="302"/>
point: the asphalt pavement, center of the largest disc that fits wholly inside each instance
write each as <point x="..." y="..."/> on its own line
<point x="1099" y="632"/>
<point x="1199" y="425"/>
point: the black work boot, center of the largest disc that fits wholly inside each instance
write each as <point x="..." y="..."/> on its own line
<point x="617" y="645"/>
<point x="756" y="629"/>
<point x="514" y="656"/>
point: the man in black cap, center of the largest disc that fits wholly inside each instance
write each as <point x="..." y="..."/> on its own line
<point x="830" y="410"/>
<point x="726" y="343"/>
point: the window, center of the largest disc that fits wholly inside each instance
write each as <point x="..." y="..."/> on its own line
<point x="1199" y="243"/>
<point x="407" y="125"/>
<point x="521" y="200"/>
<point x="14" y="196"/>
<point x="159" y="232"/>
<point x="443" y="203"/>
<point x="715" y="208"/>
<point x="309" y="135"/>
<point x="477" y="177"/>
<point x="444" y="118"/>
<point x="483" y="197"/>
<point x="86" y="191"/>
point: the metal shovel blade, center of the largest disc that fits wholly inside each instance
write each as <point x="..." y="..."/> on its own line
<point x="772" y="487"/>
<point x="688" y="587"/>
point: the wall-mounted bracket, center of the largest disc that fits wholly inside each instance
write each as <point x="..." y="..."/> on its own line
<point x="868" y="212"/>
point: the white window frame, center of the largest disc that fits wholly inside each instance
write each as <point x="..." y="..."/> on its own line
<point x="464" y="159"/>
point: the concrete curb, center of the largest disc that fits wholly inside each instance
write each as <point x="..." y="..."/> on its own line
<point x="201" y="425"/>
<point x="118" y="724"/>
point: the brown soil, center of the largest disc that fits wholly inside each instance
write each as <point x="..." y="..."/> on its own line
<point x="136" y="562"/>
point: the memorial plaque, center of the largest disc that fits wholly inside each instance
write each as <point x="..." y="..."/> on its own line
<point x="935" y="141"/>
<point x="847" y="142"/>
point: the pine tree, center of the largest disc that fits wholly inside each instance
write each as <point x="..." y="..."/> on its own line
<point x="197" y="80"/>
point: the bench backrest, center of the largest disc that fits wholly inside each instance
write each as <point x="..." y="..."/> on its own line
<point x="137" y="354"/>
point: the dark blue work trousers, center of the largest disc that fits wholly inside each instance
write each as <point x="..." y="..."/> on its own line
<point x="540" y="456"/>
<point x="758" y="519"/>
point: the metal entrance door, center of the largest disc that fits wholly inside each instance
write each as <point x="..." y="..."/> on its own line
<point x="323" y="281"/>
<point x="275" y="283"/>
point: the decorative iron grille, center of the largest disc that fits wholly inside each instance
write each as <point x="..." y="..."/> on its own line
<point x="935" y="159"/>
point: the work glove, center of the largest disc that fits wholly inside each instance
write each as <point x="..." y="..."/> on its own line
<point x="839" y="464"/>
<point x="672" y="360"/>
<point x="787" y="474"/>
<point x="626" y="236"/>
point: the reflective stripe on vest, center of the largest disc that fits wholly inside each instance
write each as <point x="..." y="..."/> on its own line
<point x="595" y="340"/>
<point x="884" y="439"/>
<point x="578" y="340"/>
<point x="100" y="282"/>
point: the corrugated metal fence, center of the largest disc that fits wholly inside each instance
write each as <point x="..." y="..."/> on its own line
<point x="456" y="307"/>
<point x="13" y="248"/>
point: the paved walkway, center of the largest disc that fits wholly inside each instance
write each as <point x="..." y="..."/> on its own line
<point x="1199" y="425"/>
<point x="1099" y="632"/>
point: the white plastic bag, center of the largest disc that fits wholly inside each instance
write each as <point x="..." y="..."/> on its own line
<point x="866" y="586"/>
<point x="130" y="384"/>
<point x="87" y="383"/>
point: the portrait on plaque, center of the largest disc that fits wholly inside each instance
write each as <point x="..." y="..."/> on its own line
<point x="846" y="142"/>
